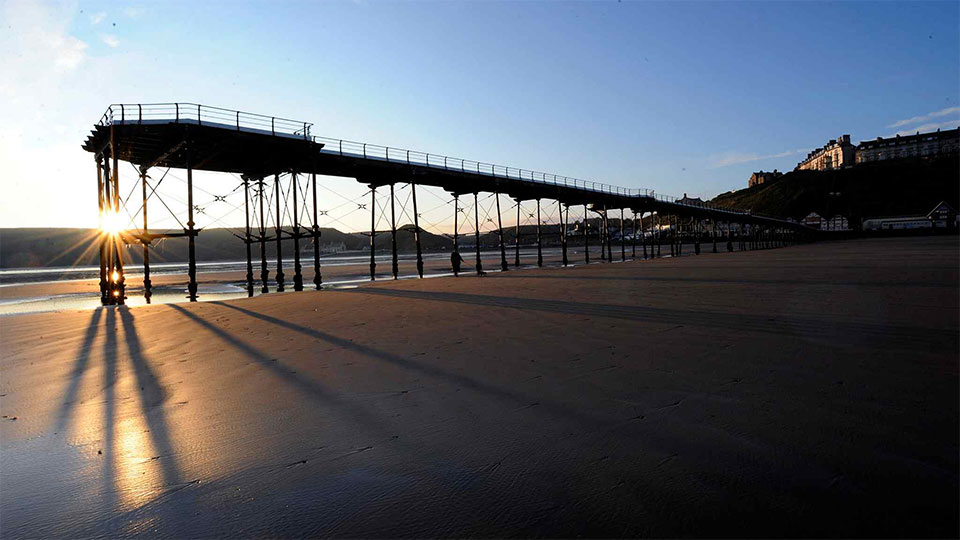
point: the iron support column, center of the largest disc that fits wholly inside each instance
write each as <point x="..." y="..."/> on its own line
<point x="395" y="266"/>
<point x="456" y="233"/>
<point x="297" y="269"/>
<point x="633" y="237"/>
<point x="145" y="240"/>
<point x="643" y="237"/>
<point x="586" y="236"/>
<point x="476" y="232"/>
<point x="659" y="235"/>
<point x="673" y="237"/>
<point x="102" y="235"/>
<point x="191" y="234"/>
<point x="603" y="235"/>
<point x="713" y="231"/>
<point x="373" y="233"/>
<point x="539" y="238"/>
<point x="623" y="240"/>
<point x="119" y="292"/>
<point x="315" y="231"/>
<point x="696" y="236"/>
<point x="278" y="194"/>
<point x="416" y="230"/>
<point x="264" y="272"/>
<point x="516" y="239"/>
<point x="563" y="232"/>
<point x="607" y="235"/>
<point x="246" y="237"/>
<point x="503" y="249"/>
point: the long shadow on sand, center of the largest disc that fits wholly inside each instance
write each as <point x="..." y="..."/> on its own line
<point x="513" y="398"/>
<point x="907" y="338"/>
<point x="152" y="397"/>
<point x="79" y="367"/>
<point x="308" y="387"/>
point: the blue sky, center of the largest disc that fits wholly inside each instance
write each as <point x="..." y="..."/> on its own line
<point x="677" y="97"/>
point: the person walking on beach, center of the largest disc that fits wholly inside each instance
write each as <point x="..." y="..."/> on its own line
<point x="455" y="261"/>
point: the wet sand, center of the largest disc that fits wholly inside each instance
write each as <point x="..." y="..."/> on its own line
<point x="803" y="391"/>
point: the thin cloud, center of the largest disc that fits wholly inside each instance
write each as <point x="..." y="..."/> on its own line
<point x="923" y="128"/>
<point x="733" y="158"/>
<point x="98" y="17"/>
<point x="68" y="52"/>
<point x="133" y="12"/>
<point x="926" y="117"/>
<point x="110" y="40"/>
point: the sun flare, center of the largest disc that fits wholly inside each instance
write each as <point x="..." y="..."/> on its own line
<point x="112" y="223"/>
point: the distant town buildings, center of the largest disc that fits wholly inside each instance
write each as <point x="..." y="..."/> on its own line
<point x="837" y="153"/>
<point x="942" y="216"/>
<point x="841" y="153"/>
<point x="812" y="220"/>
<point x="690" y="200"/>
<point x="919" y="145"/>
<point x="761" y="177"/>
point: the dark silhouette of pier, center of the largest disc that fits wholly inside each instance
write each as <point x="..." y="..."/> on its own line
<point x="282" y="154"/>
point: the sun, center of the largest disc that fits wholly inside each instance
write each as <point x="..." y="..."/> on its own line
<point x="112" y="223"/>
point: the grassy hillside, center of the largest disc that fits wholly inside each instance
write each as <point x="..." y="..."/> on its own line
<point x="34" y="247"/>
<point x="901" y="187"/>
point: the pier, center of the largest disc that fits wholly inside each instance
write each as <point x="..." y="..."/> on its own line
<point x="278" y="161"/>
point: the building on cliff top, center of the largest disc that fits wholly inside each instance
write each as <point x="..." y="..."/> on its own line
<point x="761" y="177"/>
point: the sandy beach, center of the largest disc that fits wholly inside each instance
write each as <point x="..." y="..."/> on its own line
<point x="804" y="391"/>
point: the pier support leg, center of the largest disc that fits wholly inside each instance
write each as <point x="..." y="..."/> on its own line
<point x="563" y="232"/>
<point x="679" y="236"/>
<point x="643" y="238"/>
<point x="586" y="236"/>
<point x="634" y="235"/>
<point x="476" y="232"/>
<point x="416" y="230"/>
<point x="109" y="239"/>
<point x="373" y="233"/>
<point x="604" y="231"/>
<point x="246" y="235"/>
<point x="278" y="194"/>
<point x="696" y="236"/>
<point x="456" y="232"/>
<point x="315" y="232"/>
<point x="516" y="238"/>
<point x="262" y="239"/>
<point x="395" y="266"/>
<point x="297" y="268"/>
<point x="713" y="230"/>
<point x="191" y="237"/>
<point x="539" y="238"/>
<point x="623" y="239"/>
<point x="102" y="237"/>
<point x="145" y="240"/>
<point x="503" y="249"/>
<point x="673" y="237"/>
<point x="118" y="296"/>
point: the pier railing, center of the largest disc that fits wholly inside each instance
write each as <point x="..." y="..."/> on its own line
<point x="205" y="115"/>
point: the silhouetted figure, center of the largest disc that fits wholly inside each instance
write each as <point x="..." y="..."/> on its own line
<point x="455" y="261"/>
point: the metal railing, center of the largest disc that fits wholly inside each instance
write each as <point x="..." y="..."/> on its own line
<point x="205" y="115"/>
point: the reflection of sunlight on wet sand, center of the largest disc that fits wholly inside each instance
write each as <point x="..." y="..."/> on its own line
<point x="112" y="427"/>
<point x="138" y="482"/>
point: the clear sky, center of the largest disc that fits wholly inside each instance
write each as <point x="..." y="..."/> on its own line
<point x="677" y="97"/>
